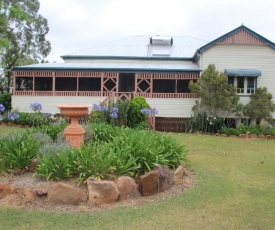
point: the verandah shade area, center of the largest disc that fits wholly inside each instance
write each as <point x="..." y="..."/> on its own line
<point x="80" y="83"/>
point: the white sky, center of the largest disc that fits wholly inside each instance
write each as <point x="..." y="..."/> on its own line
<point x="80" y="24"/>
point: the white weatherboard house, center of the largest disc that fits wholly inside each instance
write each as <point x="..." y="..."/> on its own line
<point x="158" y="68"/>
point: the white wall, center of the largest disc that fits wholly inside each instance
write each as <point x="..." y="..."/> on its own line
<point x="173" y="107"/>
<point x="22" y="103"/>
<point x="244" y="57"/>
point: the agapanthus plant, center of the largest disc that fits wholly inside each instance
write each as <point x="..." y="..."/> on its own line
<point x="2" y="108"/>
<point x="36" y="106"/>
<point x="150" y="112"/>
<point x="12" y="116"/>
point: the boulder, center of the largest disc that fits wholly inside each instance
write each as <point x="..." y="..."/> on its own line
<point x="102" y="192"/>
<point x="127" y="187"/>
<point x="254" y="135"/>
<point x="179" y="175"/>
<point x="242" y="136"/>
<point x="7" y="189"/>
<point x="165" y="178"/>
<point x="42" y="190"/>
<point x="66" y="194"/>
<point x="28" y="193"/>
<point x="149" y="183"/>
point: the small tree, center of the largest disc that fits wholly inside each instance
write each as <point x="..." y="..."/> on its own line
<point x="260" y="106"/>
<point x="217" y="97"/>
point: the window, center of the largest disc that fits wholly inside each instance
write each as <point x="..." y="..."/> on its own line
<point x="244" y="85"/>
<point x="240" y="84"/>
<point x="250" y="85"/>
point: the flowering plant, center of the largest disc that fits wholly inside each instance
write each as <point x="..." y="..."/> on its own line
<point x="12" y="116"/>
<point x="103" y="113"/>
<point x="36" y="106"/>
<point x="38" y="118"/>
<point x="2" y="110"/>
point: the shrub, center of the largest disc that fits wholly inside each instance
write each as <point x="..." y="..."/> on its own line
<point x="134" y="116"/>
<point x="52" y="129"/>
<point x="22" y="120"/>
<point x="102" y="132"/>
<point x="18" y="150"/>
<point x="5" y="100"/>
<point x="197" y="123"/>
<point x="56" y="161"/>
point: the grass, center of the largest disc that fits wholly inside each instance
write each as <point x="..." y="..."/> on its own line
<point x="235" y="190"/>
<point x="10" y="129"/>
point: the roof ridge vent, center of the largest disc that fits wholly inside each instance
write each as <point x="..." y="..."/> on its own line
<point x="161" y="40"/>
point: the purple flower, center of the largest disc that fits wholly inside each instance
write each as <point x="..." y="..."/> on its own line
<point x="2" y="108"/>
<point x="114" y="115"/>
<point x="96" y="107"/>
<point x="103" y="108"/>
<point x="12" y="116"/>
<point x="155" y="111"/>
<point x="36" y="106"/>
<point x="47" y="114"/>
<point x="114" y="110"/>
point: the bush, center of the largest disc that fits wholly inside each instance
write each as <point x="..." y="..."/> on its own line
<point x="5" y="99"/>
<point x="52" y="129"/>
<point x="198" y="123"/>
<point x="135" y="117"/>
<point x="56" y="161"/>
<point x="17" y="151"/>
<point x="23" y="119"/>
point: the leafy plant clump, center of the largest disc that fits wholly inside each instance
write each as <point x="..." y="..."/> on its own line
<point x="111" y="152"/>
<point x="17" y="151"/>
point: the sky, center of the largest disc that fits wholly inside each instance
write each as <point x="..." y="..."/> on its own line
<point x="80" y="24"/>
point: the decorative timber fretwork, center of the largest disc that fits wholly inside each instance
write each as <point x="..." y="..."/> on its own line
<point x="89" y="74"/>
<point x="177" y="76"/>
<point x="66" y="74"/>
<point x="242" y="37"/>
<point x="143" y="83"/>
<point x="110" y="82"/>
<point x="43" y="73"/>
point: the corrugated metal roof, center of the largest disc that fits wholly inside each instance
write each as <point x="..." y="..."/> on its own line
<point x="139" y="46"/>
<point x="156" y="65"/>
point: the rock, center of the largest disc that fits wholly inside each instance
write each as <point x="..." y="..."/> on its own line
<point x="127" y="187"/>
<point x="66" y="194"/>
<point x="248" y="134"/>
<point x="269" y="137"/>
<point x="42" y="190"/>
<point x="28" y="193"/>
<point x="102" y="192"/>
<point x="242" y="136"/>
<point x="262" y="136"/>
<point x="148" y="183"/>
<point x="33" y="165"/>
<point x="7" y="189"/>
<point x="165" y="178"/>
<point x="224" y="135"/>
<point x="179" y="175"/>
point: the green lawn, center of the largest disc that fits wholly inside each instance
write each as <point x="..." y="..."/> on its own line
<point x="235" y="190"/>
<point x="9" y="129"/>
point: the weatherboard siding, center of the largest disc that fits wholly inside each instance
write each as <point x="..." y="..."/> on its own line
<point x="170" y="107"/>
<point x="22" y="103"/>
<point x="166" y="107"/>
<point x="260" y="57"/>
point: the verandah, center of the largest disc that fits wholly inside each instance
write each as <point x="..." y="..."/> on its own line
<point x="87" y="83"/>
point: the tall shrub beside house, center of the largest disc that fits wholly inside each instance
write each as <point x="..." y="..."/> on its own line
<point x="135" y="117"/>
<point x="217" y="97"/>
<point x="260" y="106"/>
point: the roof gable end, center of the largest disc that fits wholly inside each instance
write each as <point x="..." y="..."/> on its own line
<point x="241" y="35"/>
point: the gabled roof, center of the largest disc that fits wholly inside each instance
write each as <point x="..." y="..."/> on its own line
<point x="239" y="35"/>
<point x="139" y="48"/>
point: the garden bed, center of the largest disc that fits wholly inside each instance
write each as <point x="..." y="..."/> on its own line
<point x="30" y="201"/>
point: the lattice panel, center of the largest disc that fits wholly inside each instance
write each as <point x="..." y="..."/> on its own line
<point x="143" y="85"/>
